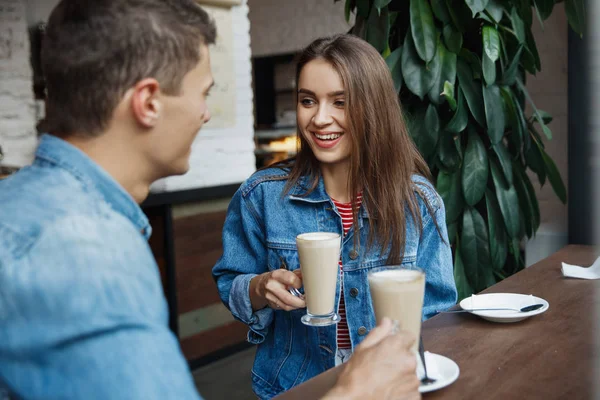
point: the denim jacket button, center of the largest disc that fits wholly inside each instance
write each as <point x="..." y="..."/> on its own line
<point x="353" y="254"/>
<point x="354" y="292"/>
<point x="362" y="330"/>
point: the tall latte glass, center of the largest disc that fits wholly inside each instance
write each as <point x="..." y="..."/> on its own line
<point x="397" y="293"/>
<point x="319" y="254"/>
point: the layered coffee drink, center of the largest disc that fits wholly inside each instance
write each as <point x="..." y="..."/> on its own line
<point x="397" y="293"/>
<point x="319" y="254"/>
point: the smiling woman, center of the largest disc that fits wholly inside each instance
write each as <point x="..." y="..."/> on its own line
<point x="358" y="174"/>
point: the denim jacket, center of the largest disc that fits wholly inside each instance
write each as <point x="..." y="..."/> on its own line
<point x="259" y="235"/>
<point x="82" y="311"/>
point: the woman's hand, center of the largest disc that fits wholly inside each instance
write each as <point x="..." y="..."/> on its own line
<point x="271" y="289"/>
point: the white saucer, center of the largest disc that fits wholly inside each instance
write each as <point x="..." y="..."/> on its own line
<point x="503" y="300"/>
<point x="442" y="369"/>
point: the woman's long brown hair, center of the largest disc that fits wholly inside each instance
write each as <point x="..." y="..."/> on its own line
<point x="383" y="156"/>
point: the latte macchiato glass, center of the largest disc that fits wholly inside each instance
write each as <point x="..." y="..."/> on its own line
<point x="397" y="293"/>
<point x="319" y="254"/>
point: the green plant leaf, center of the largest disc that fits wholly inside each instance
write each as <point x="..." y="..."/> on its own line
<point x="512" y="118"/>
<point x="474" y="169"/>
<point x="494" y="113"/>
<point x="535" y="161"/>
<point x="362" y="8"/>
<point x="424" y="130"/>
<point x="448" y="94"/>
<point x="460" y="14"/>
<point x="518" y="25"/>
<point x="474" y="249"/>
<point x="378" y="29"/>
<point x="446" y="72"/>
<point x="510" y="74"/>
<point x="452" y="38"/>
<point x="459" y="121"/>
<point x="379" y="4"/>
<point x="395" y="67"/>
<point x="418" y="78"/>
<point x="544" y="8"/>
<point x="440" y="10"/>
<point x="452" y="228"/>
<point x="495" y="9"/>
<point x="521" y="120"/>
<point x="448" y="187"/>
<point x="525" y="12"/>
<point x="463" y="287"/>
<point x="575" y="10"/>
<point x="532" y="48"/>
<point x="535" y="208"/>
<point x="348" y="7"/>
<point x="423" y="29"/>
<point x="491" y="42"/>
<point x="527" y="212"/>
<point x="476" y="5"/>
<point x="497" y="232"/>
<point x="554" y="177"/>
<point x="508" y="201"/>
<point x="447" y="151"/>
<point x="505" y="162"/>
<point x="471" y="90"/>
<point x="537" y="115"/>
<point x="546" y="118"/>
<point x="489" y="69"/>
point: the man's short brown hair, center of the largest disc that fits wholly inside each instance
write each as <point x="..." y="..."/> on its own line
<point x="95" y="50"/>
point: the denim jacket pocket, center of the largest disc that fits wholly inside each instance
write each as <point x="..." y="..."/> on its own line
<point x="282" y="255"/>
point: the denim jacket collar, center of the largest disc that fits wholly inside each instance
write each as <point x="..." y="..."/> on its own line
<point x="318" y="195"/>
<point x="64" y="155"/>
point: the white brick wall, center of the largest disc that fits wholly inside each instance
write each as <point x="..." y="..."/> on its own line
<point x="17" y="107"/>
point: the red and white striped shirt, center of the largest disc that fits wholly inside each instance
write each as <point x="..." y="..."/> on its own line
<point x="343" y="334"/>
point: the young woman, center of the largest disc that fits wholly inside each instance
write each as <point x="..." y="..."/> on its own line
<point x="356" y="173"/>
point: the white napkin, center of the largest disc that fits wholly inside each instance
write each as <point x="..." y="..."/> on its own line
<point x="574" y="271"/>
<point x="432" y="368"/>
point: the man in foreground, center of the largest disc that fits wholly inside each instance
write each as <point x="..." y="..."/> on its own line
<point x="82" y="312"/>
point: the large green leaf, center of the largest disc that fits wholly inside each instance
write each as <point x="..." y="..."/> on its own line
<point x="378" y="29"/>
<point x="474" y="169"/>
<point x="463" y="287"/>
<point x="532" y="48"/>
<point x="459" y="121"/>
<point x="505" y="162"/>
<point x="538" y="116"/>
<point x="362" y="8"/>
<point x="446" y="73"/>
<point x="544" y="8"/>
<point x="417" y="76"/>
<point x="424" y="130"/>
<point x="453" y="39"/>
<point x="476" y="5"/>
<point x="512" y="118"/>
<point x="471" y="90"/>
<point x="447" y="151"/>
<point x="518" y="25"/>
<point x="395" y="67"/>
<point x="525" y="12"/>
<point x="535" y="161"/>
<point x="495" y="9"/>
<point x="440" y="10"/>
<point x="576" y="15"/>
<point x="489" y="69"/>
<point x="423" y="29"/>
<point x="491" y="42"/>
<point x="554" y="177"/>
<point x="497" y="232"/>
<point x="527" y="212"/>
<point x="508" y="200"/>
<point x="521" y="120"/>
<point x="474" y="248"/>
<point x="510" y="74"/>
<point x="452" y="228"/>
<point x="448" y="186"/>
<point x="494" y="113"/>
<point x="460" y="14"/>
<point x="379" y="4"/>
<point x="533" y="202"/>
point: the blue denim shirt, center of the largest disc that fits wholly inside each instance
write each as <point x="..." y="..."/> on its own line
<point x="82" y="311"/>
<point x="259" y="235"/>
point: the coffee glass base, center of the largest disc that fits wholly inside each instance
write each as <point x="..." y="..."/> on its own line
<point x="320" y="320"/>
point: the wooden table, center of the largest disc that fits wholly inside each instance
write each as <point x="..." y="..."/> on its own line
<point x="551" y="356"/>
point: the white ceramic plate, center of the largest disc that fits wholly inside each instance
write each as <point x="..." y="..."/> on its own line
<point x="503" y="300"/>
<point x="442" y="369"/>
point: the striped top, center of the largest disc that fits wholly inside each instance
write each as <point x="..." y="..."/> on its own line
<point x="343" y="334"/>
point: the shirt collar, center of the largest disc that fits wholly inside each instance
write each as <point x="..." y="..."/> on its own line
<point x="66" y="156"/>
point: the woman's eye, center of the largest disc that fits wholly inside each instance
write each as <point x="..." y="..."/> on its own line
<point x="339" y="103"/>
<point x="307" y="102"/>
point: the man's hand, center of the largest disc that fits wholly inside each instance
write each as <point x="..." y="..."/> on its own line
<point x="382" y="367"/>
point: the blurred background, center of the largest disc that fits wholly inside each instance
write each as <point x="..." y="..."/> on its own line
<point x="253" y="125"/>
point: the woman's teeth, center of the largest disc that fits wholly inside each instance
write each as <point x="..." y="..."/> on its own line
<point x="331" y="136"/>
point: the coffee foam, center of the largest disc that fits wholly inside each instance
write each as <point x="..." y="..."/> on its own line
<point x="397" y="275"/>
<point x="317" y="236"/>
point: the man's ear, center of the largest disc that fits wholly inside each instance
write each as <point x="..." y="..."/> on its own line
<point x="145" y="102"/>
